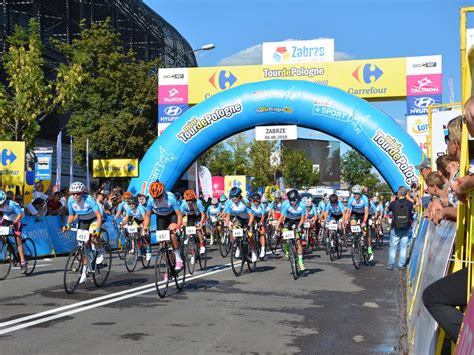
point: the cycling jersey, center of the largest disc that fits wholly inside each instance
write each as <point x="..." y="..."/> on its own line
<point x="193" y="209"/>
<point x="357" y="205"/>
<point x="165" y="206"/>
<point x="335" y="211"/>
<point x="276" y="207"/>
<point x="85" y="209"/>
<point x="312" y="211"/>
<point x="213" y="210"/>
<point x="321" y="206"/>
<point x="122" y="207"/>
<point x="379" y="208"/>
<point x="10" y="210"/>
<point x="293" y="212"/>
<point x="221" y="206"/>
<point x="371" y="208"/>
<point x="258" y="210"/>
<point x="240" y="210"/>
<point x="138" y="213"/>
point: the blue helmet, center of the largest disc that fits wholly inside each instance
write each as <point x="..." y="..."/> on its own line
<point x="222" y="198"/>
<point x="3" y="196"/>
<point x="235" y="191"/>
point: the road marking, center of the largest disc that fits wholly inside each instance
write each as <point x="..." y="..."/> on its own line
<point x="145" y="289"/>
<point x="43" y="265"/>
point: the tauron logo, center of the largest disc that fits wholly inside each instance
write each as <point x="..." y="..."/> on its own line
<point x="222" y="79"/>
<point x="368" y="73"/>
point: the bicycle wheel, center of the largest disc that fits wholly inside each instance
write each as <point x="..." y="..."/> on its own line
<point x="73" y="270"/>
<point x="146" y="263"/>
<point x="130" y="253"/>
<point x="5" y="260"/>
<point x="365" y="254"/>
<point x="161" y="273"/>
<point x="332" y="247"/>
<point x="224" y="245"/>
<point x="120" y="245"/>
<point x="203" y="260"/>
<point x="338" y="246"/>
<point x="191" y="256"/>
<point x="179" y="275"/>
<point x="295" y="267"/>
<point x="29" y="248"/>
<point x="102" y="270"/>
<point x="356" y="253"/>
<point x="237" y="257"/>
<point x="380" y="238"/>
<point x="251" y="266"/>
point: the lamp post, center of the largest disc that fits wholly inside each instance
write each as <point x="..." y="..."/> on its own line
<point x="206" y="47"/>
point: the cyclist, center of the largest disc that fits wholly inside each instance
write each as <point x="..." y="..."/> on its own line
<point x="311" y="213"/>
<point x="11" y="216"/>
<point x="122" y="205"/>
<point x="213" y="213"/>
<point x="135" y="213"/>
<point x="83" y="207"/>
<point x="293" y="214"/>
<point x="276" y="205"/>
<point x="168" y="215"/>
<point x="379" y="214"/>
<point x="358" y="209"/>
<point x="238" y="210"/>
<point x="259" y="212"/>
<point x="141" y="199"/>
<point x="193" y="209"/>
<point x="334" y="210"/>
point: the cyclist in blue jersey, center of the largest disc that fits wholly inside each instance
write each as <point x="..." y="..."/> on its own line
<point x="11" y="216"/>
<point x="242" y="215"/>
<point x="335" y="210"/>
<point x="135" y="215"/>
<point x="122" y="205"/>
<point x="276" y="205"/>
<point x="141" y="199"/>
<point x="194" y="210"/>
<point x="86" y="209"/>
<point x="213" y="212"/>
<point x="358" y="210"/>
<point x="293" y="213"/>
<point x="168" y="215"/>
<point x="311" y="212"/>
<point x="379" y="214"/>
<point x="259" y="211"/>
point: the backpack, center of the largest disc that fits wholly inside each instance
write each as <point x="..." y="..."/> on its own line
<point x="402" y="215"/>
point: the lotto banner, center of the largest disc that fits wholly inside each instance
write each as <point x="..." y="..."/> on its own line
<point x="12" y="163"/>
<point x="115" y="168"/>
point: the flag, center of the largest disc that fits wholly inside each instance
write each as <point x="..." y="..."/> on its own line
<point x="88" y="181"/>
<point x="205" y="180"/>
<point x="59" y="158"/>
<point x="71" y="166"/>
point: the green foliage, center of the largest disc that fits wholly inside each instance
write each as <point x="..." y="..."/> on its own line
<point x="218" y="160"/>
<point x="297" y="169"/>
<point x="355" y="169"/>
<point x="109" y="94"/>
<point x="260" y="166"/>
<point x="240" y="152"/>
<point x="26" y="99"/>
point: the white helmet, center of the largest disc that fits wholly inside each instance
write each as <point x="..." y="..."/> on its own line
<point x="356" y="189"/>
<point x="264" y="199"/>
<point x="277" y="194"/>
<point x="309" y="202"/>
<point x="3" y="196"/>
<point x="77" y="187"/>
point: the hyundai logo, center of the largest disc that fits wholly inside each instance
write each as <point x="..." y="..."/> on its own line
<point x="424" y="102"/>
<point x="173" y="111"/>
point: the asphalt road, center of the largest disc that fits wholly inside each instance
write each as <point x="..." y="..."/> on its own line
<point x="331" y="309"/>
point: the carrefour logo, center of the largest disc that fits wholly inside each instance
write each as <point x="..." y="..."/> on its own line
<point x="173" y="111"/>
<point x="223" y="79"/>
<point x="7" y="157"/>
<point x="367" y="73"/>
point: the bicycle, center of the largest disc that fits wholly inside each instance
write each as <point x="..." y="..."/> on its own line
<point x="120" y="240"/>
<point x="378" y="233"/>
<point x="289" y="236"/>
<point x="134" y="248"/>
<point x="335" y="243"/>
<point x="9" y="255"/>
<point x="75" y="263"/>
<point x="165" y="265"/>
<point x="273" y="240"/>
<point x="359" y="251"/>
<point x="225" y="243"/>
<point x="192" y="250"/>
<point x="241" y="252"/>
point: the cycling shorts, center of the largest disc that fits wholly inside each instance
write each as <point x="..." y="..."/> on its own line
<point x="163" y="222"/>
<point x="358" y="216"/>
<point x="88" y="224"/>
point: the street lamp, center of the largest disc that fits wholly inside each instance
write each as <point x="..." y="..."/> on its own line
<point x="206" y="47"/>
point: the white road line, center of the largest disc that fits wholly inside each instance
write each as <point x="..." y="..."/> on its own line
<point x="43" y="265"/>
<point x="82" y="309"/>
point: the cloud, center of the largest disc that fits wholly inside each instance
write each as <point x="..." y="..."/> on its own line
<point x="253" y="55"/>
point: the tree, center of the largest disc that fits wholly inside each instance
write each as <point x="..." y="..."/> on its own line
<point x="218" y="160"/>
<point x="239" y="147"/>
<point x="356" y="169"/>
<point x="297" y="169"/>
<point x="26" y="99"/>
<point x="260" y="166"/>
<point x="109" y="94"/>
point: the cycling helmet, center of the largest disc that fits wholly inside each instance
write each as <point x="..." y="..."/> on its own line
<point x="277" y="194"/>
<point x="256" y="196"/>
<point x="293" y="195"/>
<point x="375" y="199"/>
<point x="77" y="187"/>
<point x="133" y="201"/>
<point x="309" y="202"/>
<point x="214" y="201"/>
<point x="235" y="192"/>
<point x="222" y="198"/>
<point x="3" y="197"/>
<point x="156" y="189"/>
<point x="264" y="199"/>
<point x="189" y="195"/>
<point x="356" y="189"/>
<point x="126" y="195"/>
<point x="333" y="199"/>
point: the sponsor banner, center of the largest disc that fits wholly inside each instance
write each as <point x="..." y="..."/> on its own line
<point x="162" y="127"/>
<point x="217" y="186"/>
<point x="115" y="168"/>
<point x="418" y="105"/>
<point x="424" y="65"/>
<point x="373" y="78"/>
<point x="205" y="181"/>
<point x="439" y="123"/>
<point x="170" y="113"/>
<point x="12" y="163"/>
<point x="418" y="125"/>
<point x="422" y="142"/>
<point x="43" y="166"/>
<point x="422" y="85"/>
<point x="316" y="50"/>
<point x="37" y="229"/>
<point x="273" y="133"/>
<point x="235" y="181"/>
<point x="173" y="76"/>
<point x="172" y="94"/>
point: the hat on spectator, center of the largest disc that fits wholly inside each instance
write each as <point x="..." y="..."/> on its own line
<point x="426" y="163"/>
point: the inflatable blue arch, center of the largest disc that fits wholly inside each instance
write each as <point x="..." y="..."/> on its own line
<point x="327" y="109"/>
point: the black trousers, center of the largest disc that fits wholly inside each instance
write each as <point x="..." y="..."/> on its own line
<point x="441" y="298"/>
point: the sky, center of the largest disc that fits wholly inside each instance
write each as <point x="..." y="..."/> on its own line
<point x="362" y="29"/>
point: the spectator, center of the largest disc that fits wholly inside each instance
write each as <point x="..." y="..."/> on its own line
<point x="402" y="211"/>
<point x="424" y="167"/>
<point x="39" y="191"/>
<point x="453" y="138"/>
<point x="54" y="205"/>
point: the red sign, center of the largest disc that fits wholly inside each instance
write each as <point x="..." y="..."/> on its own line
<point x="217" y="186"/>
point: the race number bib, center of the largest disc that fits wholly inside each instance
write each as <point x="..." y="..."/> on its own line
<point x="82" y="235"/>
<point x="288" y="235"/>
<point x="4" y="230"/>
<point x="132" y="229"/>
<point x="332" y="226"/>
<point x="163" y="235"/>
<point x="356" y="229"/>
<point x="306" y="224"/>
<point x="190" y="230"/>
<point x="213" y="219"/>
<point x="238" y="233"/>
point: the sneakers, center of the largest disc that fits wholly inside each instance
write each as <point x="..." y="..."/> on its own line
<point x="100" y="258"/>
<point x="212" y="242"/>
<point x="202" y="250"/>
<point x="302" y="267"/>
<point x="83" y="276"/>
<point x="193" y="259"/>
<point x="237" y="253"/>
<point x="24" y="265"/>
<point x="179" y="265"/>
<point x="165" y="276"/>
<point x="148" y="256"/>
<point x="254" y="257"/>
<point x="262" y="253"/>
<point x="371" y="257"/>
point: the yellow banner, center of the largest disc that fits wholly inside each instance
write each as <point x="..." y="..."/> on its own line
<point x="12" y="163"/>
<point x="375" y="79"/>
<point x="115" y="168"/>
<point x="235" y="181"/>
